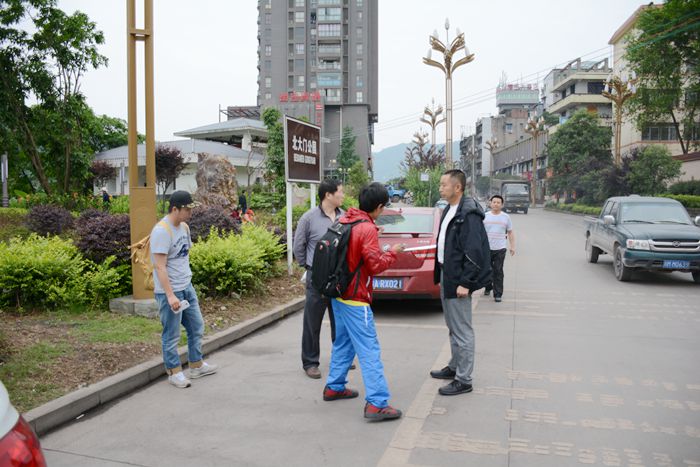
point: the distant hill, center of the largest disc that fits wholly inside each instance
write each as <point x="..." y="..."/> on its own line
<point x="387" y="161"/>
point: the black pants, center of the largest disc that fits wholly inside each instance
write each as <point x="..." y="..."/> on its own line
<point x="497" y="259"/>
<point x="314" y="309"/>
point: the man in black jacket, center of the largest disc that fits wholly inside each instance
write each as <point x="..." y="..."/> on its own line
<point x="463" y="266"/>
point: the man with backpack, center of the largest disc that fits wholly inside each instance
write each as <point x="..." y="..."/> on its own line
<point x="170" y="244"/>
<point x="311" y="227"/>
<point x="355" y="333"/>
<point x="463" y="266"/>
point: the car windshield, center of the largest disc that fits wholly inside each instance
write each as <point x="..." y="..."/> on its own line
<point x="402" y="222"/>
<point x="656" y="213"/>
<point x="515" y="189"/>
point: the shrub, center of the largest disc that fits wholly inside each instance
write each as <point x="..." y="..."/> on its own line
<point x="88" y="215"/>
<point x="690" y="187"/>
<point x="13" y="223"/>
<point x="230" y="263"/>
<point x="689" y="201"/>
<point x="280" y="218"/>
<point x="268" y="242"/>
<point x="100" y="237"/>
<point x="206" y="217"/>
<point x="41" y="271"/>
<point x="48" y="219"/>
<point x="71" y="202"/>
<point x="260" y="200"/>
<point x="119" y="205"/>
<point x="105" y="281"/>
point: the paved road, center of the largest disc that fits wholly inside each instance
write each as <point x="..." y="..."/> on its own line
<point x="573" y="368"/>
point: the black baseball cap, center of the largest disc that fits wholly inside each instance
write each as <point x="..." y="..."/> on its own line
<point x="181" y="199"/>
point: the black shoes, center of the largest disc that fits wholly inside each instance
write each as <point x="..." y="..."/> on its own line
<point x="445" y="373"/>
<point x="498" y="299"/>
<point x="454" y="388"/>
<point x="487" y="293"/>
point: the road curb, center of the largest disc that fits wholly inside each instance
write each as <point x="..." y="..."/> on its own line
<point x="66" y="408"/>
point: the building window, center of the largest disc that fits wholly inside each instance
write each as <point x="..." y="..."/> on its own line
<point x="359" y="3"/>
<point x="659" y="132"/>
<point x="332" y="95"/>
<point x="299" y="3"/>
<point x="268" y="18"/>
<point x="359" y="82"/>
<point x="358" y="65"/>
<point x="509" y="128"/>
<point x="268" y="4"/>
<point x="329" y="50"/>
<point x="358" y="97"/>
<point x="329" y="79"/>
<point x="595" y="87"/>
<point x="268" y="96"/>
<point x="359" y="33"/>
<point x="299" y="34"/>
<point x="329" y="2"/>
<point x="300" y="81"/>
<point x="312" y="84"/>
<point x="299" y="49"/>
<point x="329" y="14"/>
<point x="268" y="51"/>
<point x="268" y="65"/>
<point x="299" y="16"/>
<point x="268" y="82"/>
<point x="329" y="30"/>
<point x="359" y="15"/>
<point x="299" y="65"/>
<point x="360" y="49"/>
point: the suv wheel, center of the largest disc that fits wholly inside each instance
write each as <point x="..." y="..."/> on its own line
<point x="622" y="272"/>
<point x="592" y="252"/>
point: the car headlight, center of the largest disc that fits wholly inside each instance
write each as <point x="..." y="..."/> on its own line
<point x="634" y="244"/>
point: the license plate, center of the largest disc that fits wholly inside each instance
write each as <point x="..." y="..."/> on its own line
<point x="676" y="264"/>
<point x="387" y="284"/>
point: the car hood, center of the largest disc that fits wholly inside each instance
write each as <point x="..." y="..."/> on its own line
<point x="8" y="414"/>
<point x="661" y="231"/>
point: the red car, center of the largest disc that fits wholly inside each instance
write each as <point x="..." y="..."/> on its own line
<point x="411" y="276"/>
<point x="18" y="444"/>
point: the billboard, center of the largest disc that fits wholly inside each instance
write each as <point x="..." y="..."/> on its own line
<point x="302" y="151"/>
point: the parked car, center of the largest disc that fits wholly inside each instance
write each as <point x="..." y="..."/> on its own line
<point x="644" y="234"/>
<point x="411" y="276"/>
<point x="18" y="443"/>
<point x="395" y="194"/>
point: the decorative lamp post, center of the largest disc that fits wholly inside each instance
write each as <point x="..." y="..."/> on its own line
<point x="535" y="127"/>
<point x="618" y="90"/>
<point x="491" y="145"/>
<point x="431" y="116"/>
<point x="448" y="67"/>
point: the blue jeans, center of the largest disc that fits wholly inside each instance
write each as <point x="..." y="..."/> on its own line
<point x="355" y="334"/>
<point x="191" y="319"/>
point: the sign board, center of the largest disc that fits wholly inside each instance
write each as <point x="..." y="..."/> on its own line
<point x="302" y="151"/>
<point x="424" y="177"/>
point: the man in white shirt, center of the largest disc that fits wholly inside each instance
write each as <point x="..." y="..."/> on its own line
<point x="499" y="229"/>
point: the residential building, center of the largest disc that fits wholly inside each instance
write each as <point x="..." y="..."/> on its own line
<point x="318" y="59"/>
<point x="578" y="86"/>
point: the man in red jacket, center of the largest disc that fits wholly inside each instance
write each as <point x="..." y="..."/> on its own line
<point x="355" y="332"/>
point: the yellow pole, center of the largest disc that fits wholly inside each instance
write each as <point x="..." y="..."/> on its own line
<point x="142" y="196"/>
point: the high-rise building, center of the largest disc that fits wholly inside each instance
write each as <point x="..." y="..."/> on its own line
<point x="318" y="59"/>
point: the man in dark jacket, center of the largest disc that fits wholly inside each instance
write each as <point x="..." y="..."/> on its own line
<point x="463" y="266"/>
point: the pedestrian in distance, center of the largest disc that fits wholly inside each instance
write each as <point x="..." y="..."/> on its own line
<point x="355" y="332"/>
<point x="463" y="266"/>
<point x="177" y="300"/>
<point x="106" y="199"/>
<point x="243" y="202"/>
<point x="499" y="230"/>
<point x="310" y="228"/>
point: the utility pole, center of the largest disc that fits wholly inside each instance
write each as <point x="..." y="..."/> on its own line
<point x="4" y="173"/>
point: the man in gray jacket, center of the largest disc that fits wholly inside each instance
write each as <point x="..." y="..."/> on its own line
<point x="310" y="228"/>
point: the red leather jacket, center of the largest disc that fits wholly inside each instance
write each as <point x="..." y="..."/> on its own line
<point x="364" y="244"/>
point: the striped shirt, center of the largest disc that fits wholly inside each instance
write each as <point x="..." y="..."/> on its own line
<point x="497" y="226"/>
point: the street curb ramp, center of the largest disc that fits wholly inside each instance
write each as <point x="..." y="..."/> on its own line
<point x="66" y="408"/>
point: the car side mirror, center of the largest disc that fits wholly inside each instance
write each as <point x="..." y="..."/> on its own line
<point x="609" y="220"/>
<point x="697" y="221"/>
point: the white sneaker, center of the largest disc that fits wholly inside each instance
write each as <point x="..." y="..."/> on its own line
<point x="178" y="380"/>
<point x="204" y="370"/>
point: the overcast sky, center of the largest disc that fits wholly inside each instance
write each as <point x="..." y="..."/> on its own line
<point x="206" y="55"/>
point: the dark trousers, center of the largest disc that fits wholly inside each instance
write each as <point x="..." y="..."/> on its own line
<point x="497" y="259"/>
<point x="314" y="309"/>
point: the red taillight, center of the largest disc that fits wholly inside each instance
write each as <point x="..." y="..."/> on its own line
<point x="20" y="447"/>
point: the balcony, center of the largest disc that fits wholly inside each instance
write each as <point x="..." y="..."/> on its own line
<point x="577" y="100"/>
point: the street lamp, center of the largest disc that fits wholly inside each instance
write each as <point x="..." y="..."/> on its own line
<point x="491" y="145"/>
<point x="448" y="67"/>
<point x="431" y="116"/>
<point x="618" y="90"/>
<point x="535" y="127"/>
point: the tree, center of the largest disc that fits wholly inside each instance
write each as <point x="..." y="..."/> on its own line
<point x="550" y="119"/>
<point x="357" y="178"/>
<point x="665" y="54"/>
<point x="420" y="157"/>
<point x="102" y="172"/>
<point x="43" y="57"/>
<point x="274" y="163"/>
<point x="579" y="154"/>
<point x="347" y="157"/>
<point x="651" y="171"/>
<point x="169" y="164"/>
<point x="424" y="193"/>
